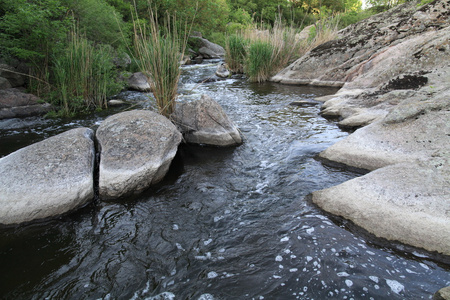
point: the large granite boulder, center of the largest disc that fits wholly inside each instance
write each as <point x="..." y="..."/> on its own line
<point x="406" y="202"/>
<point x="48" y="178"/>
<point x="16" y="104"/>
<point x="136" y="150"/>
<point x="204" y="121"/>
<point x="394" y="70"/>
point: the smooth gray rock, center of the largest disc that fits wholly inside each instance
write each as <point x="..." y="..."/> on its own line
<point x="204" y="122"/>
<point x="139" y="82"/>
<point x="379" y="144"/>
<point x="136" y="148"/>
<point x="222" y="71"/>
<point x="209" y="49"/>
<point x="48" y="178"/>
<point x="412" y="210"/>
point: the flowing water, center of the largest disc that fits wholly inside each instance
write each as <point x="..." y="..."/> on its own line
<point x="226" y="223"/>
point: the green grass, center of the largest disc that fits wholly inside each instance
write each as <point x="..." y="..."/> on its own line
<point x="236" y="52"/>
<point x="83" y="76"/>
<point x="157" y="52"/>
<point x="259" y="64"/>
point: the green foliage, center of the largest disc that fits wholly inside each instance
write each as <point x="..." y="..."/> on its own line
<point x="99" y="21"/>
<point x="352" y="17"/>
<point x="83" y="76"/>
<point x="235" y="52"/>
<point x="32" y="30"/>
<point x="259" y="64"/>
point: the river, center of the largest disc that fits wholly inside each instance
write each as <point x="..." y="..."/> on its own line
<point x="226" y="223"/>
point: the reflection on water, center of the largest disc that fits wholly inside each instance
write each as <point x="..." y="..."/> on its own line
<point x="231" y="223"/>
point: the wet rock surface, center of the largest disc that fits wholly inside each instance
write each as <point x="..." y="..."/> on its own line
<point x="48" y="178"/>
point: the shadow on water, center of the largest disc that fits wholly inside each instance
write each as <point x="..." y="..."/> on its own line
<point x="226" y="223"/>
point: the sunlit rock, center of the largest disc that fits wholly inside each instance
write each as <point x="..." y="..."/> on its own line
<point x="48" y="178"/>
<point x="136" y="150"/>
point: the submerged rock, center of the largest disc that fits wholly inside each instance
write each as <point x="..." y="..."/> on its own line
<point x="136" y="150"/>
<point x="204" y="122"/>
<point x="48" y="178"/>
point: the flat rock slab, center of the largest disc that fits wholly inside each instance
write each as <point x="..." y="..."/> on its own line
<point x="204" y="122"/>
<point x="136" y="149"/>
<point x="48" y="178"/>
<point x="379" y="144"/>
<point x="413" y="210"/>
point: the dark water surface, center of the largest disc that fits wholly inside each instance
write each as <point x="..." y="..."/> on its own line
<point x="232" y="223"/>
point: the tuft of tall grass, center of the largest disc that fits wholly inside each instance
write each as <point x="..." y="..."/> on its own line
<point x="248" y="50"/>
<point x="157" y="52"/>
<point x="323" y="31"/>
<point x="254" y="44"/>
<point x="259" y="61"/>
<point x="84" y="76"/>
<point x="236" y="52"/>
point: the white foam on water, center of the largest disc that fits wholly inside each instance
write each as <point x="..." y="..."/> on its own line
<point x="207" y="242"/>
<point x="179" y="247"/>
<point x="175" y="227"/>
<point x="419" y="254"/>
<point x="276" y="276"/>
<point x="374" y="278"/>
<point x="343" y="274"/>
<point x="285" y="239"/>
<point x="287" y="251"/>
<point x="349" y="283"/>
<point x="309" y="258"/>
<point x="310" y="230"/>
<point x="424" y="266"/>
<point x="370" y="252"/>
<point x="293" y="270"/>
<point x="162" y="296"/>
<point x="293" y="256"/>
<point x="395" y="286"/>
<point x="411" y="272"/>
<point x="279" y="258"/>
<point x="212" y="275"/>
<point x="206" y="297"/>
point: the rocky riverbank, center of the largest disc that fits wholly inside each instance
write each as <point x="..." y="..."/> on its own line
<point x="394" y="70"/>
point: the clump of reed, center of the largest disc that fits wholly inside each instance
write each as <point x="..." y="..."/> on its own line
<point x="260" y="54"/>
<point x="259" y="63"/>
<point x="157" y="52"/>
<point x="236" y="52"/>
<point x="83" y="76"/>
